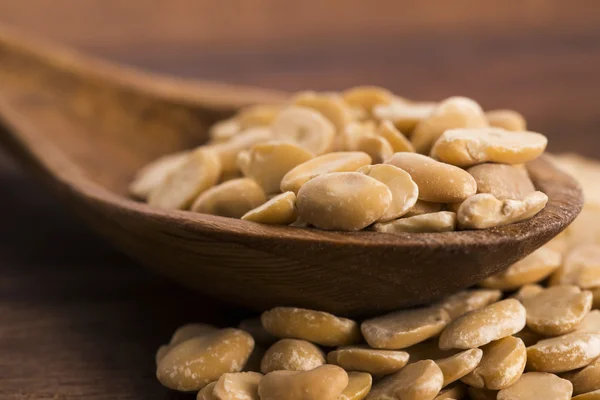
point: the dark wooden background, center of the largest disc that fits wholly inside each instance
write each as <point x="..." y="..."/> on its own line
<point x="79" y="320"/>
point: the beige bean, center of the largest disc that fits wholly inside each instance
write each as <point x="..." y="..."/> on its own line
<point x="194" y="363"/>
<point x="331" y="105"/>
<point x="404" y="115"/>
<point x="327" y="163"/>
<point x="359" y="385"/>
<point x="280" y="210"/>
<point x="394" y="137"/>
<point x="424" y="207"/>
<point x="581" y="268"/>
<point x="467" y="147"/>
<point x="367" y="97"/>
<point x="267" y="163"/>
<point x="305" y="127"/>
<point x="460" y="364"/>
<point x="228" y="151"/>
<point x="404" y="190"/>
<point x="502" y="365"/>
<point x="455" y="391"/>
<point x="377" y="147"/>
<point x="292" y="355"/>
<point x="373" y="361"/>
<point x="238" y="386"/>
<point x="503" y="181"/>
<point x="483" y="326"/>
<point x="528" y="336"/>
<point x="454" y="112"/>
<point x="254" y="327"/>
<point x="189" y="331"/>
<point x="468" y="300"/>
<point x="314" y="326"/>
<point x="563" y="353"/>
<point x="586" y="379"/>
<point x="258" y="115"/>
<point x="323" y="383"/>
<point x="533" y="268"/>
<point x="200" y="171"/>
<point x="443" y="221"/>
<point x="527" y="291"/>
<point x="481" y="394"/>
<point x="437" y="182"/>
<point x="155" y="173"/>
<point x="590" y="323"/>
<point x="538" y="385"/>
<point x="347" y="201"/>
<point x="404" y="328"/>
<point x="419" y="381"/>
<point x="557" y="310"/>
<point x="595" y="395"/>
<point x="506" y="119"/>
<point x="484" y="211"/>
<point x="207" y="392"/>
<point x="224" y="130"/>
<point x="231" y="199"/>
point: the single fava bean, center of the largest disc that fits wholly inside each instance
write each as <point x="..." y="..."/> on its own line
<point x="537" y="386"/>
<point x="314" y="326"/>
<point x="404" y="190"/>
<point x="404" y="328"/>
<point x="418" y="381"/>
<point x="224" y="130"/>
<point x="595" y="395"/>
<point x="377" y="147"/>
<point x="502" y="365"/>
<point x="468" y="300"/>
<point x="200" y="171"/>
<point x="467" y="147"/>
<point x="443" y="221"/>
<point x="586" y="379"/>
<point x="305" y="127"/>
<point x="367" y="97"/>
<point x="483" y="326"/>
<point x="581" y="268"/>
<point x="460" y="364"/>
<point x="267" y="163"/>
<point x="484" y="211"/>
<point x="258" y="115"/>
<point x="194" y="363"/>
<point x="590" y="323"/>
<point x="238" y="386"/>
<point x="454" y="112"/>
<point x="330" y="105"/>
<point x="292" y="355"/>
<point x="557" y="310"/>
<point x="481" y="394"/>
<point x="373" y="361"/>
<point x="346" y="201"/>
<point x="404" y="115"/>
<point x="424" y="207"/>
<point x="323" y="383"/>
<point x="207" y="392"/>
<point x="506" y="119"/>
<point x="456" y="391"/>
<point x="563" y="353"/>
<point x="280" y="210"/>
<point x="533" y="268"/>
<point x="155" y="173"/>
<point x="332" y="162"/>
<point x="527" y="291"/>
<point x="437" y="182"/>
<point x="394" y="137"/>
<point x="503" y="181"/>
<point x="228" y="151"/>
<point x="231" y="199"/>
<point x="359" y="385"/>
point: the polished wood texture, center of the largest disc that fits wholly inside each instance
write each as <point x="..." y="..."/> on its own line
<point x="81" y="321"/>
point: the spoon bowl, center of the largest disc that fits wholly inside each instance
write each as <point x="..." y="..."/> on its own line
<point x="85" y="127"/>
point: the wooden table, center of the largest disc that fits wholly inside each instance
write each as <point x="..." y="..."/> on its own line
<point x="79" y="320"/>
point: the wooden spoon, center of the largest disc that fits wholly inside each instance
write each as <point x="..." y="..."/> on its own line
<point x="85" y="127"/>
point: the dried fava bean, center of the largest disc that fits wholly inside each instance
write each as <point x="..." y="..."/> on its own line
<point x="189" y="331"/>
<point x="502" y="364"/>
<point x="404" y="115"/>
<point x="155" y="173"/>
<point x="528" y="336"/>
<point x="305" y="127"/>
<point x="323" y="383"/>
<point x="377" y="147"/>
<point x="331" y="105"/>
<point x="503" y="181"/>
<point x="454" y="112"/>
<point x="373" y="361"/>
<point x="314" y="326"/>
<point x="557" y="310"/>
<point x="595" y="395"/>
<point x="533" y="268"/>
<point x="481" y="394"/>
<point x="485" y="211"/>
<point x="482" y="326"/>
<point x="224" y="130"/>
<point x="455" y="391"/>
<point x="443" y="221"/>
<point x="467" y="147"/>
<point x="254" y="327"/>
<point x="206" y="393"/>
<point x="359" y="385"/>
<point x="437" y="182"/>
<point x="581" y="268"/>
<point x="506" y="119"/>
<point x="332" y="162"/>
<point x="404" y="328"/>
<point x="193" y="364"/>
<point x="423" y="207"/>
<point x="367" y="97"/>
<point x="428" y="350"/>
<point x="590" y="323"/>
<point x="267" y="163"/>
<point x="231" y="199"/>
<point x="460" y="364"/>
<point x="238" y="386"/>
<point x="228" y="151"/>
<point x="292" y="355"/>
<point x="563" y="353"/>
<point x="258" y="115"/>
<point x="419" y="381"/>
<point x="200" y="171"/>
<point x="404" y="189"/>
<point x="586" y="379"/>
<point x="347" y="201"/>
<point x="527" y="291"/>
<point x="537" y="386"/>
<point x="280" y="210"/>
<point x="468" y="300"/>
<point x="394" y="137"/>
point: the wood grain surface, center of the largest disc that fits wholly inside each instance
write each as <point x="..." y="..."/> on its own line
<point x="79" y="320"/>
